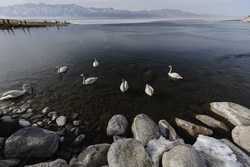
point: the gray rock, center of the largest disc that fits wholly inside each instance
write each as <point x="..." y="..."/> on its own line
<point x="24" y="123"/>
<point x="45" y="110"/>
<point x="182" y="156"/>
<point x="216" y="153"/>
<point x="117" y="125"/>
<point x="27" y="115"/>
<point x="128" y="153"/>
<point x="9" y="162"/>
<point x="92" y="156"/>
<point x="193" y="129"/>
<point x="234" y="113"/>
<point x="241" y="156"/>
<point x="211" y="122"/>
<point x="79" y="140"/>
<point x="241" y="136"/>
<point x="61" y="121"/>
<point x="167" y="130"/>
<point x="144" y="129"/>
<point x="56" y="163"/>
<point x="31" y="142"/>
<point x="7" y="119"/>
<point x="157" y="147"/>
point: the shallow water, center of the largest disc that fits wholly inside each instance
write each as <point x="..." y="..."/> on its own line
<point x="213" y="57"/>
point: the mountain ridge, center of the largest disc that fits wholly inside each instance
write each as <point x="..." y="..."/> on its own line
<point x="73" y="10"/>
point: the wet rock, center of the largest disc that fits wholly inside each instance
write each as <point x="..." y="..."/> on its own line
<point x="7" y="118"/>
<point x="182" y="156"/>
<point x="56" y="163"/>
<point x="27" y="115"/>
<point x="157" y="147"/>
<point x="167" y="130"/>
<point x="193" y="129"/>
<point x="77" y="123"/>
<point x="144" y="129"/>
<point x="24" y="107"/>
<point x="61" y="121"/>
<point x="45" y="110"/>
<point x="92" y="156"/>
<point x="211" y="122"/>
<point x="241" y="156"/>
<point x="234" y="113"/>
<point x="9" y="162"/>
<point x="24" y="123"/>
<point x="128" y="152"/>
<point x="241" y="136"/>
<point x="117" y="125"/>
<point x="31" y="142"/>
<point x="216" y="153"/>
<point x="52" y="115"/>
<point x="79" y="140"/>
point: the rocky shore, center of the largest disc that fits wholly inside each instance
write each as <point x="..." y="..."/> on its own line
<point x="13" y="23"/>
<point x="48" y="139"/>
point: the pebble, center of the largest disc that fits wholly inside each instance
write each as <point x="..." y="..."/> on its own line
<point x="61" y="121"/>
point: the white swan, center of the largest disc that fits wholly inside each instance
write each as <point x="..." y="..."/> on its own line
<point x="124" y="86"/>
<point x="173" y="75"/>
<point x="88" y="81"/>
<point x="12" y="94"/>
<point x="95" y="63"/>
<point x="62" y="69"/>
<point x="149" y="90"/>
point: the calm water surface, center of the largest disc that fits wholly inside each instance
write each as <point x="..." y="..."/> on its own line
<point x="213" y="57"/>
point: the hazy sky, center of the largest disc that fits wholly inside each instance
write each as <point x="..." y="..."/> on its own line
<point x="222" y="7"/>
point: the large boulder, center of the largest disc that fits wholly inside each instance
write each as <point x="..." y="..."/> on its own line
<point x="92" y="156"/>
<point x="117" y="125"/>
<point x="241" y="136"/>
<point x="144" y="129"/>
<point x="193" y="129"/>
<point x="56" y="163"/>
<point x="31" y="142"/>
<point x="241" y="156"/>
<point x="182" y="156"/>
<point x="234" y="113"/>
<point x="167" y="130"/>
<point x="211" y="122"/>
<point x="128" y="153"/>
<point x="216" y="153"/>
<point x="157" y="147"/>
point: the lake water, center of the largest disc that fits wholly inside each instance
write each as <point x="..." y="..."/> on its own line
<point x="212" y="56"/>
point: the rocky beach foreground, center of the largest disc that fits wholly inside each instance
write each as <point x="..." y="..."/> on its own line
<point x="26" y="141"/>
<point x="14" y="23"/>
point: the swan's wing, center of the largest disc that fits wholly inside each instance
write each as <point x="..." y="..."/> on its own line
<point x="149" y="90"/>
<point x="176" y="75"/>
<point x="7" y="97"/>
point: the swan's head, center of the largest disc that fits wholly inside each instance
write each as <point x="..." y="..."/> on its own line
<point x="170" y="66"/>
<point x="82" y="75"/>
<point x="27" y="88"/>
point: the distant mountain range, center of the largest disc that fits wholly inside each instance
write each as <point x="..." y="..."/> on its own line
<point x="76" y="11"/>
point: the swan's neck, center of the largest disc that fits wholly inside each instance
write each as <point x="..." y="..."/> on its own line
<point x="170" y="69"/>
<point x="83" y="80"/>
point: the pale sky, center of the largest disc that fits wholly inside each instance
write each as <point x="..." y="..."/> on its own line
<point x="220" y="7"/>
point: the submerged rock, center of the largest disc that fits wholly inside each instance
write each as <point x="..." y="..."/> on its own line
<point x="56" y="163"/>
<point x="234" y="113"/>
<point x="117" y="125"/>
<point x="128" y="153"/>
<point x="92" y="156"/>
<point x="241" y="156"/>
<point x="157" y="147"/>
<point x="211" y="122"/>
<point x="167" y="130"/>
<point x="31" y="142"/>
<point x="241" y="136"/>
<point x="79" y="140"/>
<point x="216" y="153"/>
<point x="144" y="129"/>
<point x="182" y="156"/>
<point x="193" y="129"/>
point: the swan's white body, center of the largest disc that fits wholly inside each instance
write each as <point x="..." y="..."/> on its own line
<point x="88" y="81"/>
<point x="62" y="69"/>
<point x="95" y="63"/>
<point x="149" y="90"/>
<point x="173" y="75"/>
<point x="12" y="94"/>
<point x="124" y="86"/>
